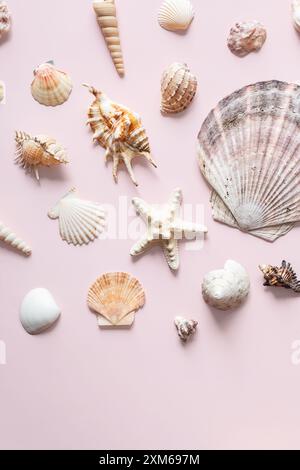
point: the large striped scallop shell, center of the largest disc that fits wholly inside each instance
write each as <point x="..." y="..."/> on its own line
<point x="176" y="15"/>
<point x="116" y="297"/>
<point x="249" y="152"/>
<point x="178" y="88"/>
<point x="4" y="18"/>
<point x="51" y="87"/>
<point x="40" y="150"/>
<point x="80" y="221"/>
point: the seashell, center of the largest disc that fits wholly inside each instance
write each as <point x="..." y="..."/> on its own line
<point x="283" y="276"/>
<point x="249" y="153"/>
<point x="226" y="288"/>
<point x="296" y="14"/>
<point x="38" y="311"/>
<point x="246" y="37"/>
<point x="119" y="131"/>
<point x="4" y="18"/>
<point x="40" y="150"/>
<point x="50" y="86"/>
<point x="176" y="15"/>
<point x="116" y="297"/>
<point x="185" y="328"/>
<point x="2" y="93"/>
<point x="10" y="238"/>
<point x="80" y="221"/>
<point x="178" y="88"/>
<point x="107" y="19"/>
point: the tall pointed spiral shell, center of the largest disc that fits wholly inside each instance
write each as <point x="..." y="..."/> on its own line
<point x="176" y="15"/>
<point x="4" y="18"/>
<point x="249" y="152"/>
<point x="107" y="19"/>
<point x="51" y="87"/>
<point x="40" y="150"/>
<point x="115" y="296"/>
<point x="178" y="88"/>
<point x="10" y="238"/>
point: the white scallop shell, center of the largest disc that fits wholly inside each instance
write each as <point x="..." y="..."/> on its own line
<point x="51" y="87"/>
<point x="226" y="288"/>
<point x="296" y="14"/>
<point x="176" y="15"/>
<point x="38" y="311"/>
<point x="178" y="88"/>
<point x="80" y="221"/>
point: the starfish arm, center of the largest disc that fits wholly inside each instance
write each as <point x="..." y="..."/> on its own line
<point x="142" y="245"/>
<point x="175" y="201"/>
<point x="171" y="252"/>
<point x="141" y="207"/>
<point x="188" y="228"/>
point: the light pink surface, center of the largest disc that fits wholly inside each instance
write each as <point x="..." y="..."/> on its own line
<point x="77" y="386"/>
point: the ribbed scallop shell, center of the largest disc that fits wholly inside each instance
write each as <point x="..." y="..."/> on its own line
<point x="40" y="150"/>
<point x="296" y="14"/>
<point x="178" y="88"/>
<point x="226" y="288"/>
<point x="80" y="221"/>
<point x="176" y="15"/>
<point x="4" y="18"/>
<point x="249" y="152"/>
<point x="50" y="86"/>
<point x="116" y="297"/>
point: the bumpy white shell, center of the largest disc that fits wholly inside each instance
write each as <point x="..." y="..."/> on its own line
<point x="178" y="88"/>
<point x="226" y="288"/>
<point x="38" y="311"/>
<point x="2" y="93"/>
<point x="185" y="328"/>
<point x="246" y="37"/>
<point x="296" y="14"/>
<point x="80" y="221"/>
<point x="249" y="152"/>
<point x="176" y="15"/>
<point x="50" y="87"/>
<point x="4" y="18"/>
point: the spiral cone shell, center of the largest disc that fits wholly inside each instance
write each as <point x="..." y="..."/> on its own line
<point x="10" y="238"/>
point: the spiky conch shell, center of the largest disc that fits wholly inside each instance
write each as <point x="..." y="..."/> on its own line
<point x="133" y="141"/>
<point x="249" y="152"/>
<point x="10" y="238"/>
<point x="283" y="276"/>
<point x="226" y="288"/>
<point x="116" y="297"/>
<point x="178" y="88"/>
<point x="296" y="14"/>
<point x="80" y="221"/>
<point x="107" y="19"/>
<point x="51" y="87"/>
<point x="4" y="18"/>
<point x="39" y="150"/>
<point x="176" y="15"/>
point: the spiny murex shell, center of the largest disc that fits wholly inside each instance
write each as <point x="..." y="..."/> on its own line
<point x="116" y="297"/>
<point x="107" y="19"/>
<point x="176" y="15"/>
<point x="185" y="328"/>
<point x="51" y="87"/>
<point x="40" y="150"/>
<point x="296" y="14"/>
<point x="283" y="276"/>
<point x="10" y="238"/>
<point x="249" y="152"/>
<point x="226" y="288"/>
<point x="178" y="88"/>
<point x="119" y="131"/>
<point x="4" y="18"/>
<point x="246" y="37"/>
<point x="38" y="311"/>
<point x="80" y="221"/>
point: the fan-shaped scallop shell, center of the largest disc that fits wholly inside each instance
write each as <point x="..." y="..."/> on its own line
<point x="176" y="15"/>
<point x="178" y="88"/>
<point x="40" y="150"/>
<point x="80" y="221"/>
<point x="116" y="297"/>
<point x="4" y="18"/>
<point x="50" y="87"/>
<point x="249" y="152"/>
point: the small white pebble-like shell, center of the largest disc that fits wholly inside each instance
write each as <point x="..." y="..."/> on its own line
<point x="38" y="311"/>
<point x="4" y="18"/>
<point x="178" y="88"/>
<point x="226" y="288"/>
<point x="246" y="37"/>
<point x="176" y="15"/>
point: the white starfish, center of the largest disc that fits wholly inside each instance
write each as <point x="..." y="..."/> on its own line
<point x="164" y="227"/>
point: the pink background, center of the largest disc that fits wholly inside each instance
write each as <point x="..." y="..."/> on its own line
<point x="77" y="386"/>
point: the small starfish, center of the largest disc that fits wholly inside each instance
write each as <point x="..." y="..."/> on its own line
<point x="164" y="227"/>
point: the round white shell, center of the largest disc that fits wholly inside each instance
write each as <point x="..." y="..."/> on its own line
<point x="296" y="14"/>
<point x="226" y="288"/>
<point x="176" y="15"/>
<point x="38" y="311"/>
